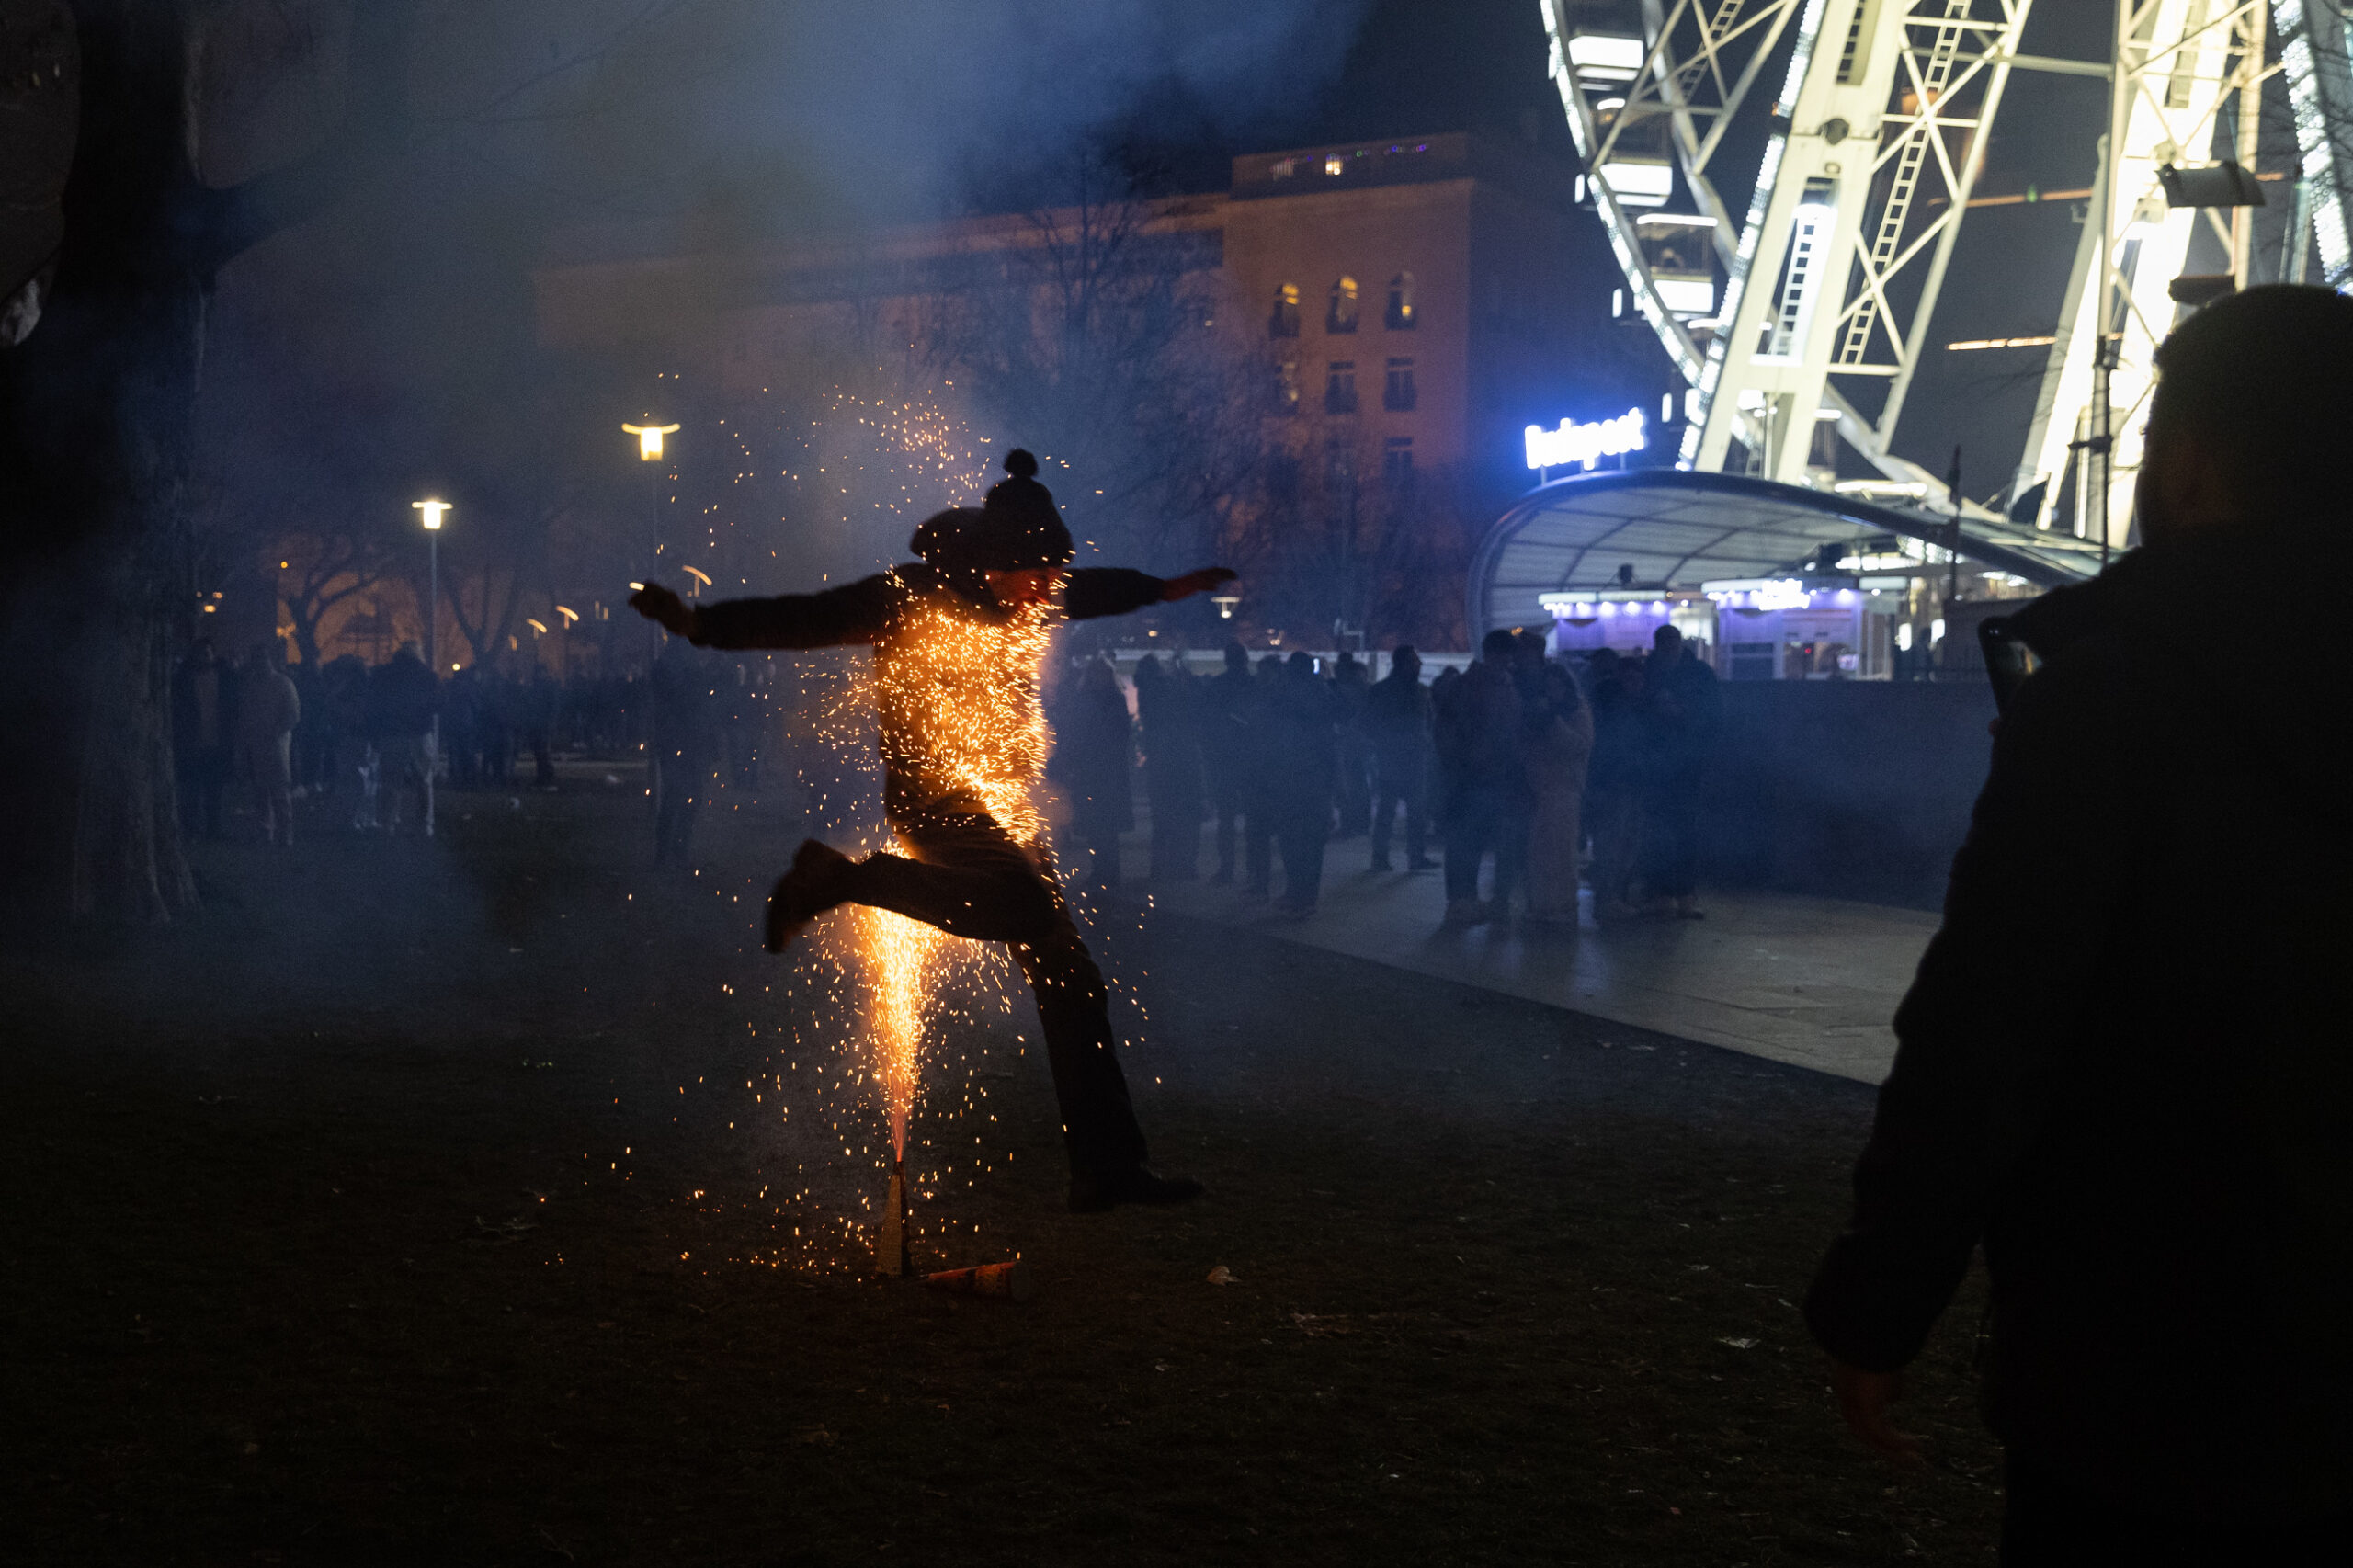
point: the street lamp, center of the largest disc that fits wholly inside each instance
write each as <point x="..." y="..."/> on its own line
<point x="649" y="439"/>
<point x="649" y="449"/>
<point x="432" y="511"/>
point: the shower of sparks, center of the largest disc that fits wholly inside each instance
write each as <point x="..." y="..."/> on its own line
<point x="880" y="1015"/>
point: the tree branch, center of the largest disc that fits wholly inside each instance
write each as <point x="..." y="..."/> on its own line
<point x="233" y="219"/>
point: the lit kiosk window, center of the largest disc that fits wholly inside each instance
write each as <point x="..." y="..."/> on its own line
<point x="1401" y="302"/>
<point x="1284" y="322"/>
<point x="1340" y="387"/>
<point x="1286" y="388"/>
<point x="1342" y="315"/>
<point x="1397" y="387"/>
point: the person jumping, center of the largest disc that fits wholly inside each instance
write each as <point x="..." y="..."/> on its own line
<point x="957" y="636"/>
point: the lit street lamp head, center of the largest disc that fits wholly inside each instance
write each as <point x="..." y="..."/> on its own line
<point x="433" y="510"/>
<point x="649" y="439"/>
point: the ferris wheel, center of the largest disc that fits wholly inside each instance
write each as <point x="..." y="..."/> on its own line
<point x="1850" y="136"/>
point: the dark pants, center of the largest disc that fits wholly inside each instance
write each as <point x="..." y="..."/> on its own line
<point x="967" y="876"/>
<point x="1484" y="820"/>
<point x="683" y="784"/>
<point x="203" y="779"/>
<point x="1671" y="839"/>
<point x="1176" y="840"/>
<point x="1356" y="785"/>
<point x="1397" y="788"/>
<point x="1225" y="807"/>
<point x="1258" y="840"/>
<point x="2045" y="1521"/>
<point x="1300" y="834"/>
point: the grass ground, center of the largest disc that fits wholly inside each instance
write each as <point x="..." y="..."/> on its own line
<point x="323" y="1249"/>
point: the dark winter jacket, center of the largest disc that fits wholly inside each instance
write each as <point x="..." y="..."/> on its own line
<point x="1397" y="715"/>
<point x="1168" y="707"/>
<point x="1094" y="757"/>
<point x="1478" y="737"/>
<point x="894" y="612"/>
<point x="2126" y="1067"/>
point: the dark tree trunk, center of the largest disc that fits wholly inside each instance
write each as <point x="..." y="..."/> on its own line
<point x="96" y="411"/>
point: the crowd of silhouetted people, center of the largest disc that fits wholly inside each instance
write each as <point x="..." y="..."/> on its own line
<point x="1524" y="771"/>
<point x="374" y="742"/>
<point x="1518" y="775"/>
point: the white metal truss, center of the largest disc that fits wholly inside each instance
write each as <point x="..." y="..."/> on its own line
<point x="1874" y="140"/>
<point x="2320" y="96"/>
<point x="1873" y="144"/>
<point x="2177" y="63"/>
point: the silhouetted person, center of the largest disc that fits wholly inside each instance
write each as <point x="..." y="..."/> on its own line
<point x="401" y="697"/>
<point x="1614" y="782"/>
<point x="1681" y="706"/>
<point x="1094" y="761"/>
<point x="1556" y="742"/>
<point x="1397" y="724"/>
<point x="1226" y="702"/>
<point x="1350" y="682"/>
<point x="1168" y="707"/>
<point x="267" y="710"/>
<point x="685" y="749"/>
<point x="204" y="698"/>
<point x="2122" y="1068"/>
<point x="1303" y="715"/>
<point x="1262" y="793"/>
<point x="543" y="712"/>
<point x="941" y="629"/>
<point x="1484" y="781"/>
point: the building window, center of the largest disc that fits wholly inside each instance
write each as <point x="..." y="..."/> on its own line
<point x="1401" y="302"/>
<point x="1397" y="463"/>
<point x="1335" y="165"/>
<point x="1342" y="316"/>
<point x="1397" y="387"/>
<point x="1286" y="167"/>
<point x="1284" y="322"/>
<point x="1287" y="387"/>
<point x="1340" y="387"/>
<point x="1340" y="466"/>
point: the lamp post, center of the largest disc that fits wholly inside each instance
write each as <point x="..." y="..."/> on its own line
<point x="649" y="451"/>
<point x="433" y="512"/>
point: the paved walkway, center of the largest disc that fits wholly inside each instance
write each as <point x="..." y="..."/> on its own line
<point x="1811" y="982"/>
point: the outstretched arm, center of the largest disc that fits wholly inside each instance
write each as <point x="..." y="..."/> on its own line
<point x="1098" y="591"/>
<point x="855" y="613"/>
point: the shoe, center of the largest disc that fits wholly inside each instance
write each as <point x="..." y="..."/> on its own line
<point x="1688" y="909"/>
<point x="1464" y="912"/>
<point x="1096" y="1192"/>
<point x="1382" y="863"/>
<point x="1421" y="863"/>
<point x="804" y="892"/>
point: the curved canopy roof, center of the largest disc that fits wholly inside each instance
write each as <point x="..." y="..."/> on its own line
<point x="1677" y="528"/>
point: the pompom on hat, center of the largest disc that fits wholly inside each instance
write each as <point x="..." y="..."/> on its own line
<point x="1019" y="528"/>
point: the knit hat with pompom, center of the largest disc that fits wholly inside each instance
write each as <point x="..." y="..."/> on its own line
<point x="1020" y="529"/>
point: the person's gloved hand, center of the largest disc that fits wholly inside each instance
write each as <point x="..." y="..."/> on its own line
<point x="658" y="604"/>
<point x="1193" y="583"/>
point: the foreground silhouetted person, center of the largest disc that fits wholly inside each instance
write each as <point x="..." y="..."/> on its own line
<point x="2124" y="1067"/>
<point x="964" y="871"/>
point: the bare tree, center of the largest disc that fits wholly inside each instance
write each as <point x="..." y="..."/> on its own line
<point x="1099" y="335"/>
